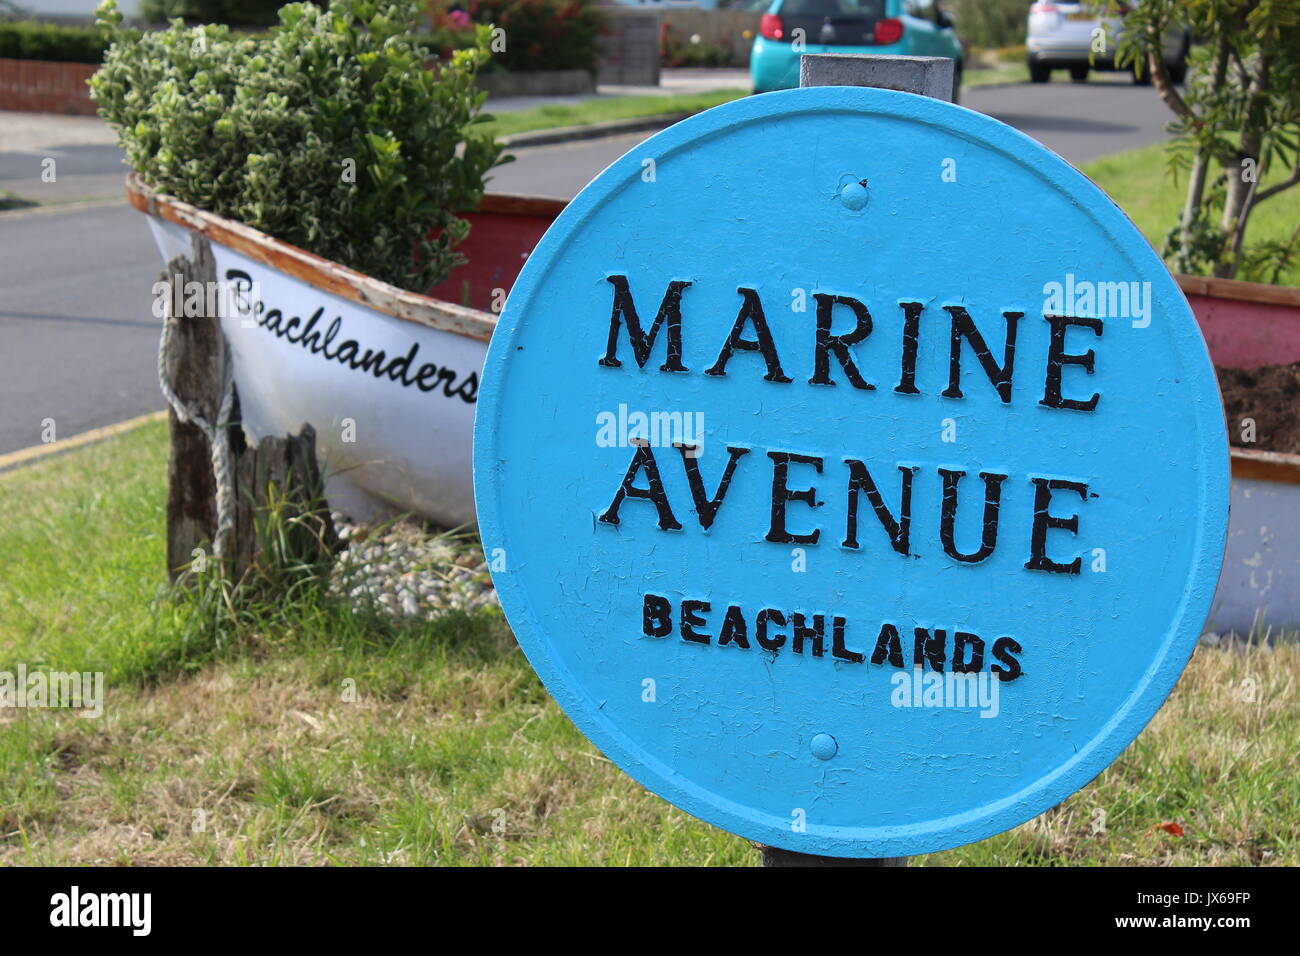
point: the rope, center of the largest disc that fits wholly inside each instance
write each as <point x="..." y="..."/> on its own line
<point x="218" y="434"/>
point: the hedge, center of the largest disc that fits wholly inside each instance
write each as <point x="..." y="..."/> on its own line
<point x="538" y="34"/>
<point x="30" y="40"/>
<point x="235" y="13"/>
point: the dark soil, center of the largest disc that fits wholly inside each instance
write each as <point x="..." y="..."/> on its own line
<point x="1270" y="395"/>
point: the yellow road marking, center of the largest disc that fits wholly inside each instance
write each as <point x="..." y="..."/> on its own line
<point x="27" y="455"/>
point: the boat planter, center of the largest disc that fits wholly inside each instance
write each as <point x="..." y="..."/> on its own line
<point x="387" y="446"/>
<point x="1247" y="325"/>
<point x="394" y="430"/>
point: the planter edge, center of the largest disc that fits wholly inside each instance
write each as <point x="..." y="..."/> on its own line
<point x="1265" y="465"/>
<point x="1237" y="290"/>
<point x="314" y="270"/>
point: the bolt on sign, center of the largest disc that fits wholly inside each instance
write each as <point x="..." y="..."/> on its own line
<point x="858" y="472"/>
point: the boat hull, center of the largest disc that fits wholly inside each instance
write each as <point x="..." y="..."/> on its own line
<point x="392" y="401"/>
<point x="388" y="378"/>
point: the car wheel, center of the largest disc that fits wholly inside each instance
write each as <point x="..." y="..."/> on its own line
<point x="956" y="83"/>
<point x="1038" y="73"/>
<point x="1178" y="72"/>
<point x="1079" y="74"/>
<point x="1141" y="75"/>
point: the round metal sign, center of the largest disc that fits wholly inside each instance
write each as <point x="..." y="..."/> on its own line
<point x="853" y="472"/>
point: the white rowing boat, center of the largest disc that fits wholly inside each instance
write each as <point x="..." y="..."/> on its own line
<point x="388" y="378"/>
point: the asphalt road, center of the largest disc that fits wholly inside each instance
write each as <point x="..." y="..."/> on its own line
<point x="78" y="342"/>
<point x="1079" y="122"/>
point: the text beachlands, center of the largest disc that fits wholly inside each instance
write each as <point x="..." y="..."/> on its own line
<point x="427" y="377"/>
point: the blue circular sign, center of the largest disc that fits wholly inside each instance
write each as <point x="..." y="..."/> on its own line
<point x="853" y="472"/>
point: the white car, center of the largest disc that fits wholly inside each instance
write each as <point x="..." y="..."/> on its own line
<point x="1069" y="36"/>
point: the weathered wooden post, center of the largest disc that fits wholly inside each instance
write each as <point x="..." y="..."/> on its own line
<point x="855" y="471"/>
<point x="221" y="491"/>
<point x="194" y="362"/>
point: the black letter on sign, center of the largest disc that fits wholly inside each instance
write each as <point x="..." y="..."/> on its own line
<point x="802" y="632"/>
<point x="751" y="310"/>
<point x="948" y="519"/>
<point x="656" y="616"/>
<point x="929" y="647"/>
<point x="1003" y="648"/>
<point x="1057" y="357"/>
<point x="691" y="620"/>
<point x="838" y="624"/>
<point x="670" y="311"/>
<point x="963" y="326"/>
<point x="839" y="344"/>
<point x="888" y="646"/>
<point x="734" y="629"/>
<point x="911" y="334"/>
<point x="781" y="494"/>
<point x="960" y="641"/>
<point x="705" y="507"/>
<point x="899" y="530"/>
<point x="643" y="458"/>
<point x="774" y="642"/>
<point x="1038" y="559"/>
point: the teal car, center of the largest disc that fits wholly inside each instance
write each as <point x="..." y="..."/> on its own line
<point x="790" y="28"/>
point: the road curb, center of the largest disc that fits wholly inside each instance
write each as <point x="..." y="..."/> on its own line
<point x="566" y="134"/>
<point x="35" y="453"/>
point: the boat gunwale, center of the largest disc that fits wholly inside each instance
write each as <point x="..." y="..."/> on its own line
<point x="1273" y="466"/>
<point x="330" y="276"/>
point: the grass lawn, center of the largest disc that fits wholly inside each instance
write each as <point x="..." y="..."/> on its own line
<point x="986" y="76"/>
<point x="1139" y="182"/>
<point x="253" y="749"/>
<point x="605" y="109"/>
<point x="632" y="107"/>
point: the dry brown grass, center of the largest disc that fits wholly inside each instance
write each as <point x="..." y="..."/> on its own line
<point x="477" y="767"/>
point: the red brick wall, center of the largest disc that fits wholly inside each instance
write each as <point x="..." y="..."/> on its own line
<point x="40" y="87"/>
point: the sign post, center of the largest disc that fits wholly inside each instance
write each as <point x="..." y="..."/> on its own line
<point x="853" y="472"/>
<point x="924" y="76"/>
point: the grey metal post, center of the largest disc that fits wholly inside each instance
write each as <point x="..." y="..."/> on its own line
<point x="926" y="76"/>
<point x="923" y="75"/>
